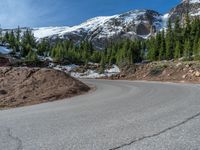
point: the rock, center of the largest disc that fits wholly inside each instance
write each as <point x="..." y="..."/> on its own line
<point x="3" y="92"/>
<point x="179" y="64"/>
<point x="122" y="76"/>
<point x="184" y="76"/>
<point x="183" y="8"/>
<point x="197" y="74"/>
<point x="191" y="71"/>
<point x="184" y="69"/>
<point x="187" y="66"/>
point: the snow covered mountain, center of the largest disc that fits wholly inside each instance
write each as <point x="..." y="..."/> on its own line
<point x="101" y="30"/>
<point x="135" y="24"/>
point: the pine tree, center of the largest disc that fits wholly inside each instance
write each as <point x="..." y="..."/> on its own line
<point x="18" y="38"/>
<point x="177" y="50"/>
<point x="187" y="50"/>
<point x="12" y="40"/>
<point x="28" y="42"/>
<point x="102" y="64"/>
<point x="32" y="56"/>
<point x="197" y="51"/>
<point x="169" y="42"/>
<point x="43" y="48"/>
<point x="6" y="37"/>
<point x="162" y="53"/>
<point x="152" y="51"/>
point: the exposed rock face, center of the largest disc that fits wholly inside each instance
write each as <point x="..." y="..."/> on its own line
<point x="187" y="6"/>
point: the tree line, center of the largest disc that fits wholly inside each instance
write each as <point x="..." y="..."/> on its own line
<point x="178" y="41"/>
<point x="22" y="43"/>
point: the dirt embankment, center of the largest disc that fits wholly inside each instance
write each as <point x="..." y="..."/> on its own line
<point x="27" y="86"/>
<point x="162" y="71"/>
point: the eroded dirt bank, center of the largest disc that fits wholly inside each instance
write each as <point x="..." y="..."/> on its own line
<point x="27" y="86"/>
<point x="173" y="71"/>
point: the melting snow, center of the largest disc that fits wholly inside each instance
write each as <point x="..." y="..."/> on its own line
<point x="194" y="1"/>
<point x="87" y="74"/>
<point x="196" y="14"/>
<point x="4" y="50"/>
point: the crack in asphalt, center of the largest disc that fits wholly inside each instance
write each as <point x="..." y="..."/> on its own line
<point x="17" y="139"/>
<point x="156" y="134"/>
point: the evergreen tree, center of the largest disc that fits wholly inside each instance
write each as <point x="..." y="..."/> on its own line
<point x="18" y="38"/>
<point x="197" y="50"/>
<point x="6" y="37"/>
<point x="162" y="53"/>
<point x="32" y="56"/>
<point x="43" y="48"/>
<point x="28" y="42"/>
<point x="169" y="42"/>
<point x="177" y="50"/>
<point x="102" y="64"/>
<point x="187" y="50"/>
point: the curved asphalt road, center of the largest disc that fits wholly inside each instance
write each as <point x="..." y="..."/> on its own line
<point x="118" y="115"/>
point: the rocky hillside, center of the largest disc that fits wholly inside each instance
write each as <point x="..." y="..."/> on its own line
<point x="187" y="6"/>
<point x="101" y="30"/>
<point x="173" y="71"/>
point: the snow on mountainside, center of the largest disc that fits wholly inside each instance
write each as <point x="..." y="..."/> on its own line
<point x="87" y="26"/>
<point x="187" y="6"/>
<point x="135" y="24"/>
<point x="101" y="30"/>
<point x="192" y="1"/>
<point x="48" y="31"/>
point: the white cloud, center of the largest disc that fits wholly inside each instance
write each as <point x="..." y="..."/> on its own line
<point x="19" y="12"/>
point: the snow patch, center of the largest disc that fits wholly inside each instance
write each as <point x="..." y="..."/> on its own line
<point x="194" y="1"/>
<point x="196" y="14"/>
<point x="4" y="50"/>
<point x="48" y="31"/>
<point x="89" y="74"/>
<point x="191" y="1"/>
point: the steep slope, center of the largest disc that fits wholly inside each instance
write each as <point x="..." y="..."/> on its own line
<point x="187" y="6"/>
<point x="101" y="30"/>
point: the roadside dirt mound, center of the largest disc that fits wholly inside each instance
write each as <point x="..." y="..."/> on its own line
<point x="27" y="86"/>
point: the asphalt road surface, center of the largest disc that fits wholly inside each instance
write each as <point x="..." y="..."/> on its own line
<point x="118" y="115"/>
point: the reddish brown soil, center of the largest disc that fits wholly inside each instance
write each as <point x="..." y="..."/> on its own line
<point x="27" y="86"/>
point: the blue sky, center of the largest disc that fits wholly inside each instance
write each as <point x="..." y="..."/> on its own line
<point x="40" y="13"/>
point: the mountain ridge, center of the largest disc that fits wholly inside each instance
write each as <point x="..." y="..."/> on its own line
<point x="134" y="24"/>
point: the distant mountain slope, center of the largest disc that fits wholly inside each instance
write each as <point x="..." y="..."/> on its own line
<point x="100" y="30"/>
<point x="187" y="6"/>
